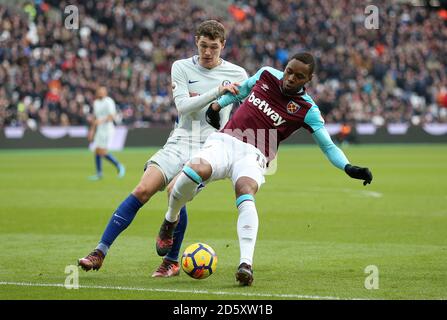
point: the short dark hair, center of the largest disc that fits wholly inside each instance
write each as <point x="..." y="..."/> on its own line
<point x="306" y="58"/>
<point x="212" y="29"/>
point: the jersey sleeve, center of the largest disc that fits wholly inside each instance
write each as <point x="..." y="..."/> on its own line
<point x="332" y="152"/>
<point x="315" y="121"/>
<point x="183" y="102"/>
<point x="244" y="88"/>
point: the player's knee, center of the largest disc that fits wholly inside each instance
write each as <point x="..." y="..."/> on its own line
<point x="245" y="185"/>
<point x="151" y="182"/>
<point x="101" y="151"/>
<point x="143" y="192"/>
<point x="203" y="170"/>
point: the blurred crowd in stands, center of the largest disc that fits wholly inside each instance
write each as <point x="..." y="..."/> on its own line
<point x="48" y="73"/>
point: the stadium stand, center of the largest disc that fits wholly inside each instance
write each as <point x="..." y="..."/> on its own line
<point x="393" y="74"/>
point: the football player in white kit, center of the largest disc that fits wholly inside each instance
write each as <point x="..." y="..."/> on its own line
<point x="196" y="82"/>
<point x="102" y="131"/>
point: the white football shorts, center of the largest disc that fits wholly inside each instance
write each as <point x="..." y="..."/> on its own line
<point x="232" y="158"/>
<point x="103" y="136"/>
<point x="172" y="157"/>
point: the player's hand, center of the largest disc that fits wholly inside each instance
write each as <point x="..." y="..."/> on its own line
<point x="359" y="173"/>
<point x="212" y="115"/>
<point x="232" y="88"/>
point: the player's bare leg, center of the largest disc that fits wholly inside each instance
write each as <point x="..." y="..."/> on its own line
<point x="101" y="151"/>
<point x="184" y="190"/>
<point x="151" y="182"/>
<point x="247" y="227"/>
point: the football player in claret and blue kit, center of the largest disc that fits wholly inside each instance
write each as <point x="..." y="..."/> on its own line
<point x="276" y="105"/>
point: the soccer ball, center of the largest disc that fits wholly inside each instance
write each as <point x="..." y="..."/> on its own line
<point x="199" y="261"/>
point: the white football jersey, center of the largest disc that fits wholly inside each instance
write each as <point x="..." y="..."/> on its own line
<point x="103" y="108"/>
<point x="194" y="88"/>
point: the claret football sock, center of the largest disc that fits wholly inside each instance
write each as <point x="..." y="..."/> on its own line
<point x="120" y="220"/>
<point x="247" y="227"/>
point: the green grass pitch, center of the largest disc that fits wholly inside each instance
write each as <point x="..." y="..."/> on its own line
<point x="318" y="231"/>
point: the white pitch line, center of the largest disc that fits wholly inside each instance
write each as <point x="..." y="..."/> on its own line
<point x="373" y="194"/>
<point x="366" y="193"/>
<point x="355" y="192"/>
<point x="218" y="293"/>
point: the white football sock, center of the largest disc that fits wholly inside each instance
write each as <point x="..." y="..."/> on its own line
<point x="184" y="190"/>
<point x="247" y="230"/>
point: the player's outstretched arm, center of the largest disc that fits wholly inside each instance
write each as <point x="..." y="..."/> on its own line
<point x="184" y="102"/>
<point x="244" y="89"/>
<point x="241" y="92"/>
<point x="338" y="158"/>
<point x="235" y="92"/>
<point x="335" y="155"/>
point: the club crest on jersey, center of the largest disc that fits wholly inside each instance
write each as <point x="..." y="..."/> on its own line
<point x="265" y="87"/>
<point x="226" y="82"/>
<point x="293" y="107"/>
